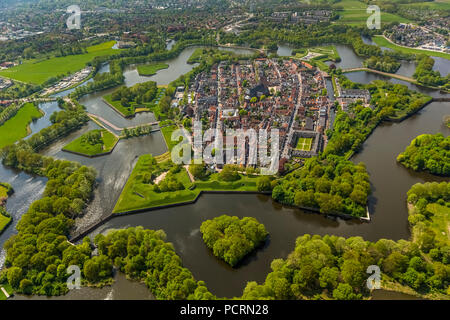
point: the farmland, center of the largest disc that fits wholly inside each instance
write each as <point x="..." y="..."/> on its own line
<point x="354" y="13"/>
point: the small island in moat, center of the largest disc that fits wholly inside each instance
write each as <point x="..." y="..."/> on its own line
<point x="5" y="218"/>
<point x="429" y="153"/>
<point x="231" y="238"/>
<point x="151" y="69"/>
<point x="93" y="143"/>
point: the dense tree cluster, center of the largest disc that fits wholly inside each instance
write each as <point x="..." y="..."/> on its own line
<point x="229" y="173"/>
<point x="385" y="64"/>
<point x="331" y="183"/>
<point x="425" y="74"/>
<point x="137" y="131"/>
<point x="351" y="129"/>
<point x="231" y="238"/>
<point x="38" y="256"/>
<point x="139" y="93"/>
<point x="428" y="152"/>
<point x="144" y="255"/>
<point x="22" y="155"/>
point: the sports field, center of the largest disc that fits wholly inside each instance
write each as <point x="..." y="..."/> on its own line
<point x="354" y="13"/>
<point x="304" y="144"/>
<point x="38" y="71"/>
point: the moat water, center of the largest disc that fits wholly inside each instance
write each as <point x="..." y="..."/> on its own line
<point x="390" y="182"/>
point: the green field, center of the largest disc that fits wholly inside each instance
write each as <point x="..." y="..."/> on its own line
<point x="440" y="221"/>
<point x="39" y="71"/>
<point x="138" y="195"/>
<point x="16" y="128"/>
<point x="304" y="144"/>
<point x="354" y="13"/>
<point x="433" y="5"/>
<point x="125" y="111"/>
<point x="383" y="42"/>
<point x="151" y="69"/>
<point x="4" y="221"/>
<point x="84" y="146"/>
<point x="3" y="192"/>
<point x="167" y="133"/>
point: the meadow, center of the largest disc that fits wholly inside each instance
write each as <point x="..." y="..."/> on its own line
<point x="16" y="128"/>
<point x="151" y="69"/>
<point x="39" y="71"/>
<point x="354" y="13"/>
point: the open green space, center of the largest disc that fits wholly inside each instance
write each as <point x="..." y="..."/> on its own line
<point x="3" y="192"/>
<point x="167" y="133"/>
<point x="39" y="71"/>
<point x="93" y="143"/>
<point x="126" y="111"/>
<point x="440" y="222"/>
<point x="16" y="128"/>
<point x="304" y="144"/>
<point x="432" y="5"/>
<point x="4" y="222"/>
<point x="151" y="69"/>
<point x="327" y="53"/>
<point x="354" y="13"/>
<point x="383" y="42"/>
<point x="142" y="192"/>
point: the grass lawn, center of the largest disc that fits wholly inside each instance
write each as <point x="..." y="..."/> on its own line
<point x="434" y="5"/>
<point x="138" y="194"/>
<point x="16" y="128"/>
<point x="39" y="71"/>
<point x="125" y="111"/>
<point x="354" y="13"/>
<point x="3" y="192"/>
<point x="382" y="42"/>
<point x="151" y="69"/>
<point x="8" y="289"/>
<point x="195" y="56"/>
<point x="167" y="133"/>
<point x="304" y="144"/>
<point x="4" y="221"/>
<point x="440" y="221"/>
<point x="83" y="146"/>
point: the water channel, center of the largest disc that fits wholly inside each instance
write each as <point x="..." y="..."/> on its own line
<point x="390" y="182"/>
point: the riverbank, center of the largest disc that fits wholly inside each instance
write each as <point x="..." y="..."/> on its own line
<point x="382" y="41"/>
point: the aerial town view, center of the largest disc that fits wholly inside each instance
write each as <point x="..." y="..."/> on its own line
<point x="232" y="150"/>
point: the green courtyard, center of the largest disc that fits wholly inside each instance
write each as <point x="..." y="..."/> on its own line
<point x="304" y="144"/>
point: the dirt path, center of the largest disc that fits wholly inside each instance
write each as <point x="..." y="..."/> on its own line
<point x="160" y="177"/>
